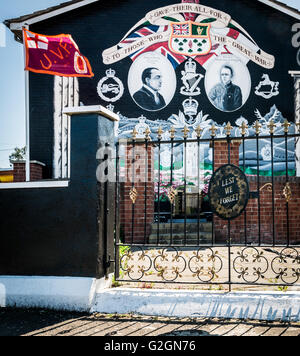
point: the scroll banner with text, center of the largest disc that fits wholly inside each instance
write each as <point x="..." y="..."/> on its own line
<point x="164" y="17"/>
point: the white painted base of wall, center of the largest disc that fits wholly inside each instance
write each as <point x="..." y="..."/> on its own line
<point x="58" y="293"/>
<point x="91" y="295"/>
<point x="192" y="304"/>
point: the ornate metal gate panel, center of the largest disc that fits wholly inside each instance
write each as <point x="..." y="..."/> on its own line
<point x="209" y="206"/>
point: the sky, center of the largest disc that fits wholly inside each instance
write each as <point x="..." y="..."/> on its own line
<point x="12" y="83"/>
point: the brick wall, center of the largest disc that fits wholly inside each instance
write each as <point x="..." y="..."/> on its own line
<point x="256" y="223"/>
<point x="128" y="210"/>
<point x="221" y="153"/>
<point x="286" y="219"/>
<point x="19" y="172"/>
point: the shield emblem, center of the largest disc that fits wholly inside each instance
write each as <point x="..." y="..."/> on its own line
<point x="190" y="38"/>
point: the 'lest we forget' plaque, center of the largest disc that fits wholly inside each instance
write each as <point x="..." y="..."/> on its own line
<point x="228" y="192"/>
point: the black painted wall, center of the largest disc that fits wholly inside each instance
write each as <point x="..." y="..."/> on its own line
<point x="60" y="231"/>
<point x="55" y="231"/>
<point x="101" y="25"/>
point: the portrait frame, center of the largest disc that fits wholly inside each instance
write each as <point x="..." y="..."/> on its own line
<point x="241" y="81"/>
<point x="152" y="60"/>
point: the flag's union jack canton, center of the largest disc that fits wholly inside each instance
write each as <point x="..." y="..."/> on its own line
<point x="181" y="29"/>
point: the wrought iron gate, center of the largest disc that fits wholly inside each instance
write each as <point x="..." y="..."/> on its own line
<point x="166" y="230"/>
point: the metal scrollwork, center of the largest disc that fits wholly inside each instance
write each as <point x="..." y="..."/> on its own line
<point x="250" y="265"/>
<point x="136" y="264"/>
<point x="287" y="192"/>
<point x="205" y="266"/>
<point x="133" y="194"/>
<point x="286" y="266"/>
<point x="170" y="264"/>
<point x="172" y="193"/>
<point x="209" y="265"/>
<point x="269" y="187"/>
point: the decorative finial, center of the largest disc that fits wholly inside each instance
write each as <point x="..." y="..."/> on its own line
<point x="286" y="126"/>
<point x="185" y="132"/>
<point x="213" y="130"/>
<point x="198" y="131"/>
<point x="134" y="134"/>
<point x="271" y="127"/>
<point x="228" y="128"/>
<point x="172" y="132"/>
<point x="147" y="134"/>
<point x="160" y="131"/>
<point x="257" y="127"/>
<point x="244" y="128"/>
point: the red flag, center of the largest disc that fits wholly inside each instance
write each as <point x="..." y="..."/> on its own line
<point x="55" y="55"/>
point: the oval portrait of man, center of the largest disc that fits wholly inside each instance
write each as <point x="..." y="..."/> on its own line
<point x="228" y="84"/>
<point x="152" y="81"/>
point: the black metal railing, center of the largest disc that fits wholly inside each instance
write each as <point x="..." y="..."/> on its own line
<point x="169" y="232"/>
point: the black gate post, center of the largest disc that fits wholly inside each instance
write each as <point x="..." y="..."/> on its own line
<point x="106" y="197"/>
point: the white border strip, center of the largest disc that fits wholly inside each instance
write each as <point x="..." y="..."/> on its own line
<point x="281" y="8"/>
<point x="59" y="293"/>
<point x="200" y="304"/>
<point x="35" y="185"/>
<point x="18" y="25"/>
<point x="294" y="73"/>
<point x="96" y="109"/>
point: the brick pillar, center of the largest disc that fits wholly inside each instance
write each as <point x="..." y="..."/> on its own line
<point x="221" y="153"/>
<point x="143" y="171"/>
<point x="221" y="158"/>
<point x="19" y="172"/>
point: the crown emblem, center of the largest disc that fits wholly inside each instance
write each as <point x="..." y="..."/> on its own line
<point x="110" y="73"/>
<point x="110" y="88"/>
<point x="190" y="67"/>
<point x="190" y="107"/>
<point x="110" y="107"/>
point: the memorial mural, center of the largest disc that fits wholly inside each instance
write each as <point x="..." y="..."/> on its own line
<point x="188" y="64"/>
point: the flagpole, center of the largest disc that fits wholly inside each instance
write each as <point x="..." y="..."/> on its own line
<point x="27" y="125"/>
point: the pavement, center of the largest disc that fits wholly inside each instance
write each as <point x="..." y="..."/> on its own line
<point x="35" y="322"/>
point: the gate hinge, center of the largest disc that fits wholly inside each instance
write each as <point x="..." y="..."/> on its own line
<point x="108" y="261"/>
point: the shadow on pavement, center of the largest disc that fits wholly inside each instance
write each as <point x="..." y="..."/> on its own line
<point x="36" y="322"/>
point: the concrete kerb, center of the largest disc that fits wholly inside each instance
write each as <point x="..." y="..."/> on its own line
<point x="96" y="296"/>
<point x="268" y="306"/>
